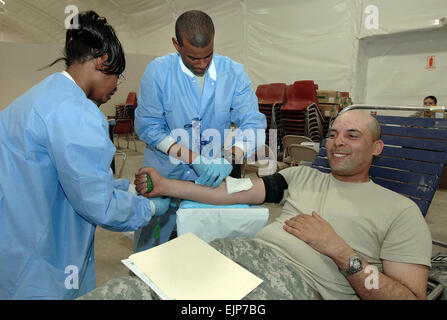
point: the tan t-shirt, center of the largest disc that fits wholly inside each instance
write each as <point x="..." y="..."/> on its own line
<point x="201" y="81"/>
<point x="376" y="222"/>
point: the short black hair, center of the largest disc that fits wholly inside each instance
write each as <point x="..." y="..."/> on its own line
<point x="433" y="98"/>
<point x="196" y="27"/>
<point x="92" y="37"/>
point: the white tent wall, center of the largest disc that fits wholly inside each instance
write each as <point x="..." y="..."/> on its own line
<point x="277" y="41"/>
<point x="392" y="61"/>
<point x="301" y="40"/>
<point x="156" y="26"/>
<point x="19" y="71"/>
<point x="398" y="70"/>
<point x="396" y="16"/>
<point x="371" y="48"/>
<point x="19" y="64"/>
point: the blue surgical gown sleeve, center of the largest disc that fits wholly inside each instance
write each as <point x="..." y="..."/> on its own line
<point x="150" y="122"/>
<point x="56" y="187"/>
<point x="121" y="184"/>
<point x="82" y="151"/>
<point x="245" y="115"/>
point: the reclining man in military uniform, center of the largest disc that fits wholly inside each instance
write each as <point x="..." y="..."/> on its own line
<point x="339" y="235"/>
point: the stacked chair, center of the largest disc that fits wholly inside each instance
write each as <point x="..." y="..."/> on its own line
<point x="300" y="96"/>
<point x="291" y="110"/>
<point x="314" y="127"/>
<point x="124" y="117"/>
<point x="271" y="97"/>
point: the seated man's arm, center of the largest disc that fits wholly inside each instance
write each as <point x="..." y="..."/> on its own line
<point x="191" y="191"/>
<point x="397" y="281"/>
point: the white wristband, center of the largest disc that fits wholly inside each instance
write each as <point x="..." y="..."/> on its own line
<point x="152" y="207"/>
<point x="165" y="144"/>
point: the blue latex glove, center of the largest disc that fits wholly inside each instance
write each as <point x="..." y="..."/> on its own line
<point x="211" y="172"/>
<point x="161" y="205"/>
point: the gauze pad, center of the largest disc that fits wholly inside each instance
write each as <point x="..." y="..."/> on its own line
<point x="235" y="185"/>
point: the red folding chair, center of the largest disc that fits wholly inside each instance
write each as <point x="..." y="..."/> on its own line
<point x="271" y="97"/>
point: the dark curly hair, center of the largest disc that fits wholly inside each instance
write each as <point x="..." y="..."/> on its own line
<point x="92" y="37"/>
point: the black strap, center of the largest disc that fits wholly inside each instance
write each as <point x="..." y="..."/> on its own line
<point x="274" y="187"/>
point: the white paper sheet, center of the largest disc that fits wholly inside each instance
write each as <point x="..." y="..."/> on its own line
<point x="187" y="268"/>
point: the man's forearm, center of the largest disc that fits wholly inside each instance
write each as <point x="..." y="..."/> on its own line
<point x="370" y="284"/>
<point x="218" y="196"/>
<point x="182" y="153"/>
<point x="186" y="155"/>
<point x="398" y="280"/>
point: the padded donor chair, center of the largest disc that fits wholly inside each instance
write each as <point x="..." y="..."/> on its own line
<point x="412" y="161"/>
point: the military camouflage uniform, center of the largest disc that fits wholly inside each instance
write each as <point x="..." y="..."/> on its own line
<point x="281" y="280"/>
<point x="123" y="288"/>
<point x="438" y="273"/>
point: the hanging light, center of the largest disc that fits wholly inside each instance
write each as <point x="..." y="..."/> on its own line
<point x="2" y="8"/>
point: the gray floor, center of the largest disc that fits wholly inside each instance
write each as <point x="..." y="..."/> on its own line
<point x="112" y="247"/>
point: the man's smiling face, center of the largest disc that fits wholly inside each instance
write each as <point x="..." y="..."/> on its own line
<point x="351" y="146"/>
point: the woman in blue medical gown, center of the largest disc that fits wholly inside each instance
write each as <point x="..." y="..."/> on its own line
<point x="56" y="183"/>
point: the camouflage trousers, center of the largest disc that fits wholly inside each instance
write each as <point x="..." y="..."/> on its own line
<point x="438" y="274"/>
<point x="281" y="280"/>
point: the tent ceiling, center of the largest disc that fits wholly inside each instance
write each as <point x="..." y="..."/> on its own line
<point x="276" y="41"/>
<point x="141" y="23"/>
<point x="43" y="21"/>
<point x="137" y="22"/>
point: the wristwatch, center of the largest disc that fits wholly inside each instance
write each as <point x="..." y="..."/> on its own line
<point x="355" y="265"/>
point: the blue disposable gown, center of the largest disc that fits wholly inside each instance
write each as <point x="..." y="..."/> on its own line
<point x="56" y="187"/>
<point x="170" y="99"/>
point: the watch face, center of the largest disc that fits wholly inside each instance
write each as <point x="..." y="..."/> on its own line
<point x="357" y="264"/>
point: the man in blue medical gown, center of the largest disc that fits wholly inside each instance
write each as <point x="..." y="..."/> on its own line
<point x="187" y="101"/>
